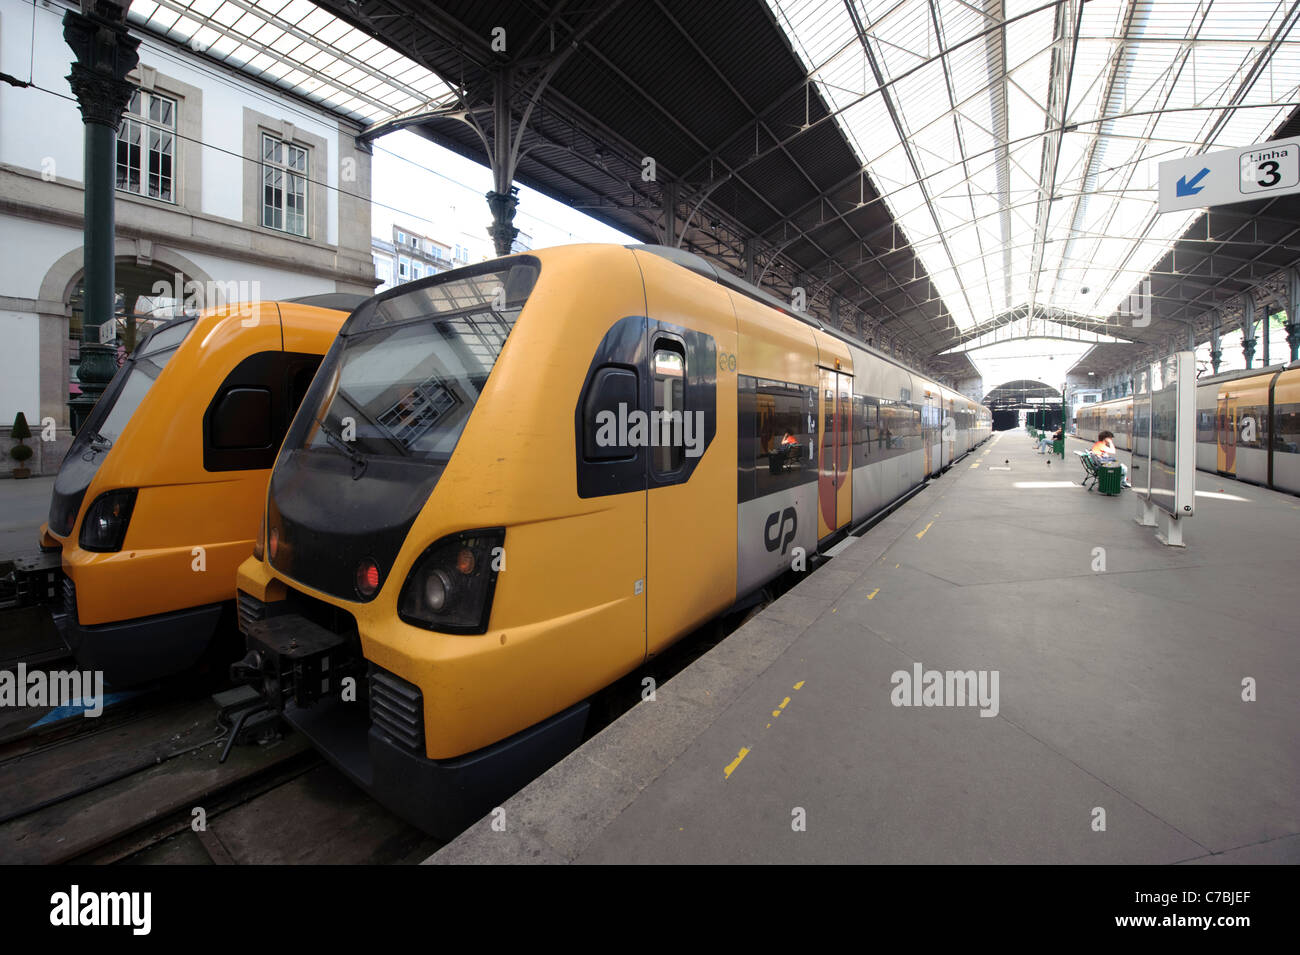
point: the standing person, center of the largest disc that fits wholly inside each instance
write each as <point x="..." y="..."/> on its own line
<point x="1104" y="451"/>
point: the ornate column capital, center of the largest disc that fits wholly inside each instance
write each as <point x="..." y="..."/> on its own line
<point x="106" y="53"/>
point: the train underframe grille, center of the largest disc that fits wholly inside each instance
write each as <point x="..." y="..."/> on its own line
<point x="68" y="597"/>
<point x="397" y="709"/>
<point x="249" y="609"/>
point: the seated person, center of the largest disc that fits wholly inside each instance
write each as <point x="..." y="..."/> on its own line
<point x="1046" y="443"/>
<point x="1104" y="451"/>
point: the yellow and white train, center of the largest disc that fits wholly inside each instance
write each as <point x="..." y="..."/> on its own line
<point x="1247" y="425"/>
<point x="472" y="528"/>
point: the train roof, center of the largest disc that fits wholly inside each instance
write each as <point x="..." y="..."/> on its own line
<point x="1239" y="373"/>
<point x="701" y="266"/>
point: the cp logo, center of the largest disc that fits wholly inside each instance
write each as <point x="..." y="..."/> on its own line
<point x="777" y="521"/>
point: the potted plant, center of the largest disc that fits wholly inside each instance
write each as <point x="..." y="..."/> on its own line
<point x="20" y="452"/>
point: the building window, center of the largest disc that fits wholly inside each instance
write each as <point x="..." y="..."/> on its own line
<point x="401" y="237"/>
<point x="146" y="147"/>
<point x="284" y="186"/>
<point x="403" y="267"/>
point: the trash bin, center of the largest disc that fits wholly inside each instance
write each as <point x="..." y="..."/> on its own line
<point x="1110" y="479"/>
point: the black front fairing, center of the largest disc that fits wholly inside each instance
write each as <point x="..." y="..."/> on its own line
<point x="382" y="419"/>
<point x="327" y="523"/>
<point x="119" y="402"/>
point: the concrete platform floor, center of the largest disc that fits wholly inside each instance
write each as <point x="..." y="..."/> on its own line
<point x="1120" y="736"/>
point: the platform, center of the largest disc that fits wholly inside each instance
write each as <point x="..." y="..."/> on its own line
<point x="1118" y="690"/>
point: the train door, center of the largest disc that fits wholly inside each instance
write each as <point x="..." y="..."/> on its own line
<point x="834" y="473"/>
<point x="948" y="432"/>
<point x="930" y="434"/>
<point x="690" y="540"/>
<point x="1226" y="430"/>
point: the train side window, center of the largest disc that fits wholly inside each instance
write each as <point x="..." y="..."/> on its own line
<point x="242" y="420"/>
<point x="861" y="430"/>
<point x="846" y="429"/>
<point x="668" y="374"/>
<point x="300" y="378"/>
<point x="1286" y="434"/>
<point x="610" y="400"/>
<point x="779" y="454"/>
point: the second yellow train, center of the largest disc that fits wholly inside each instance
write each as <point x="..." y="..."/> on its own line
<point x="158" y="500"/>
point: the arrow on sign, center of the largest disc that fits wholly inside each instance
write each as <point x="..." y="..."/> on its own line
<point x="1185" y="188"/>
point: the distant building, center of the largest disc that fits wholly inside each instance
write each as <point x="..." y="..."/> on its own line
<point x="226" y="187"/>
<point x="411" y="254"/>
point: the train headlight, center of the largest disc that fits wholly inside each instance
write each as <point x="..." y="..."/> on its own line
<point x="106" y="521"/>
<point x="437" y="587"/>
<point x="451" y="585"/>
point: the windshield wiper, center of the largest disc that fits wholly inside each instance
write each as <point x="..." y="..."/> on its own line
<point x="97" y="444"/>
<point x="359" y="463"/>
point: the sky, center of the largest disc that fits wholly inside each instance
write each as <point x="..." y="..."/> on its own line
<point x="439" y="193"/>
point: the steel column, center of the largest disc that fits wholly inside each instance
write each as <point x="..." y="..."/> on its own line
<point x="105" y="53"/>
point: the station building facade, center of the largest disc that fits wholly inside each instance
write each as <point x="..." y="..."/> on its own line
<point x="226" y="189"/>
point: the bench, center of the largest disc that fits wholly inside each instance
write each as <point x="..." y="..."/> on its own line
<point x="1058" y="448"/>
<point x="1091" y="467"/>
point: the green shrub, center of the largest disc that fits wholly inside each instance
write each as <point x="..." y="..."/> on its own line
<point x="20" y="430"/>
<point x="20" y="452"/>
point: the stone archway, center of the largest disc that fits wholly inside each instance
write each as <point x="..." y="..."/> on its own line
<point x="55" y="316"/>
<point x="1008" y="399"/>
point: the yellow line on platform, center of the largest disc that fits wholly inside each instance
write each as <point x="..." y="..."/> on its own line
<point x="731" y="766"/>
<point x="872" y="595"/>
<point x="924" y="529"/>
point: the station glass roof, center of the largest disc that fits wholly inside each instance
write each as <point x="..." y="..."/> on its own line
<point x="1017" y="141"/>
<point x="299" y="47"/>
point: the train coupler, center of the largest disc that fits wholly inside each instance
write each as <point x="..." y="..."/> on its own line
<point x="293" y="659"/>
<point x="33" y="581"/>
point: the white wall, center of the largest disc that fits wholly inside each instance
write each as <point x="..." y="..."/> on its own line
<point x="19" y="371"/>
<point x="38" y="126"/>
<point x="274" y="283"/>
<point x="30" y="248"/>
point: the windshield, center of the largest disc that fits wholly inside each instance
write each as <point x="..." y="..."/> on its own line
<point x="382" y="418"/>
<point x="108" y="419"/>
<point x="408" y="368"/>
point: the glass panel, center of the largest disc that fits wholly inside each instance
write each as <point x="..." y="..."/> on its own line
<point x="410" y="387"/>
<point x="784" y="446"/>
<point x="668" y="372"/>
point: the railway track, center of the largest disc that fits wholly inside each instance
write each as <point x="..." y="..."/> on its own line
<point x="143" y="782"/>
